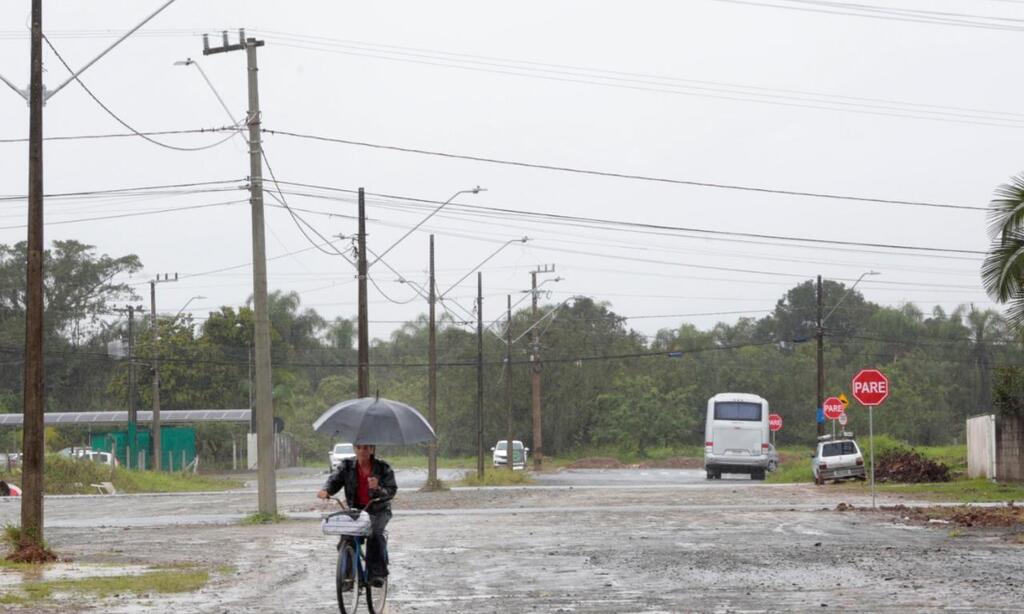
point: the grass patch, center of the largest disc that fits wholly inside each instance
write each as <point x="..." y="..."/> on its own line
<point x="497" y="477"/>
<point x="161" y="581"/>
<point x="791" y="472"/>
<point x="624" y="455"/>
<point x="65" y="476"/>
<point x="965" y="491"/>
<point x="263" y="518"/>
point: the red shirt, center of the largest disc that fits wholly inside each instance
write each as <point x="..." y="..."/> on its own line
<point x="362" y="485"/>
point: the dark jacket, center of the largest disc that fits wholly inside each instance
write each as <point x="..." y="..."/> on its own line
<point x="345" y="476"/>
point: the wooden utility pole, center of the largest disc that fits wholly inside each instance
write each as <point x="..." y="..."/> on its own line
<point x="509" y="448"/>
<point x="432" y="376"/>
<point x="155" y="424"/>
<point x="479" y="375"/>
<point x="364" y="333"/>
<point x="33" y="390"/>
<point x="133" y="415"/>
<point x="265" y="457"/>
<point x="820" y="334"/>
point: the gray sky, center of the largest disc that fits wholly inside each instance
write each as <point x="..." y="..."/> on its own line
<point x="783" y="97"/>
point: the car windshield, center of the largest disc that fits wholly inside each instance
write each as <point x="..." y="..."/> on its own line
<point x="343" y="448"/>
<point x="838" y="448"/>
<point x="503" y="445"/>
<point x="750" y="412"/>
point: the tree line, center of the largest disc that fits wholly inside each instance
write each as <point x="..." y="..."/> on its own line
<point x="603" y="383"/>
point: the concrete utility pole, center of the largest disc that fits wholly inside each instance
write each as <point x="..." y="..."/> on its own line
<point x="364" y="334"/>
<point x="535" y="369"/>
<point x="820" y="334"/>
<point x="432" y="375"/>
<point x="509" y="448"/>
<point x="157" y="440"/>
<point x="33" y="390"/>
<point x="479" y="375"/>
<point x="266" y="462"/>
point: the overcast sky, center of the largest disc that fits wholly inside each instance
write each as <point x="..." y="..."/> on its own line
<point x="790" y="95"/>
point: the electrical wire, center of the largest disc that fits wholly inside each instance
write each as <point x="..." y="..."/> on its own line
<point x="125" y="124"/>
<point x="617" y="175"/>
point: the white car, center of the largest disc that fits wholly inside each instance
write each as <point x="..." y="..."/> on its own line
<point x="519" y="454"/>
<point x="837" y="460"/>
<point x="340" y="452"/>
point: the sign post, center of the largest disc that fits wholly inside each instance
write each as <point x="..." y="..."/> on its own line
<point x="774" y="424"/>
<point x="870" y="388"/>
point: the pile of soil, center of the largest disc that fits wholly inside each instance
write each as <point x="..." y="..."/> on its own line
<point x="676" y="462"/>
<point x="596" y="462"/>
<point x="1011" y="516"/>
<point x="29" y="551"/>
<point x="908" y="466"/>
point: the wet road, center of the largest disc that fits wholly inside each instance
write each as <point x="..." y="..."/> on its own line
<point x="598" y="541"/>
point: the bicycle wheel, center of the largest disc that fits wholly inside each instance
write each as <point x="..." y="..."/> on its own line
<point x="346" y="579"/>
<point x="376" y="596"/>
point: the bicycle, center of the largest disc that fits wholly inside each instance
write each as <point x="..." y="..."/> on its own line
<point x="351" y="576"/>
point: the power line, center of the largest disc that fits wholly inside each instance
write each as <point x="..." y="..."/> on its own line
<point x="121" y="135"/>
<point x="617" y="175"/>
<point x="136" y="214"/>
<point x="124" y="123"/>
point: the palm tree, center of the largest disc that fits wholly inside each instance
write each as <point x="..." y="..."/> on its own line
<point x="1002" y="272"/>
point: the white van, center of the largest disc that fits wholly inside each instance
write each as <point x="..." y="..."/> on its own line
<point x="736" y="435"/>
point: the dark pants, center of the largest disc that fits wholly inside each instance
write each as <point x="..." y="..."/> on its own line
<point x="377" y="546"/>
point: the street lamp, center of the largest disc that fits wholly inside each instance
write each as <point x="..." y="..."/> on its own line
<point x="191" y="62"/>
<point x="186" y="305"/>
<point x="820" y="334"/>
<point x="475" y="190"/>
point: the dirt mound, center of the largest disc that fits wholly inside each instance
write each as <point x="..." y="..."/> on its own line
<point x="676" y="462"/>
<point x="964" y="516"/>
<point x="596" y="462"/>
<point x="908" y="466"/>
<point x="31" y="552"/>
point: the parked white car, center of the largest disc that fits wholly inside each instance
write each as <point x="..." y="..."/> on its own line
<point x="340" y="452"/>
<point x="519" y="454"/>
<point x="840" y="459"/>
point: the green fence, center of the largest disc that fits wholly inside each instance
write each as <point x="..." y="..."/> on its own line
<point x="178" y="446"/>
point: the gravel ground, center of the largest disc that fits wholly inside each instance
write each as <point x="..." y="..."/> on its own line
<point x="729" y="546"/>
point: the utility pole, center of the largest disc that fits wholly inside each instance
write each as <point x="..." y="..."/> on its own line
<point x="535" y="369"/>
<point x="509" y="448"/>
<point x="265" y="460"/>
<point x="132" y="444"/>
<point x="364" y="334"/>
<point x="33" y="390"/>
<point x="479" y="375"/>
<point x="820" y="334"/>
<point x="432" y="376"/>
<point x="157" y="444"/>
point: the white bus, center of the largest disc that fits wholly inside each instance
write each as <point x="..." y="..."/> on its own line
<point x="736" y="435"/>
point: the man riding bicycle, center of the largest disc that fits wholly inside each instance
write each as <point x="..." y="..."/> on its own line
<point x="369" y="484"/>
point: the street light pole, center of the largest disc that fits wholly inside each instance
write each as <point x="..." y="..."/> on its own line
<point x="820" y="335"/>
<point x="155" y="424"/>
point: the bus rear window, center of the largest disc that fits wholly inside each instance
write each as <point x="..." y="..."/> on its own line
<point x="751" y="412"/>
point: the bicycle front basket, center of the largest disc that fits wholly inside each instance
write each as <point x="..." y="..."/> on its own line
<point x="346" y="523"/>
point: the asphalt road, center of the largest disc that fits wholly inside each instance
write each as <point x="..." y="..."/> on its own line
<point x="581" y="541"/>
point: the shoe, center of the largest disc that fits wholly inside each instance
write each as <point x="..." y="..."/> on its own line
<point x="378" y="582"/>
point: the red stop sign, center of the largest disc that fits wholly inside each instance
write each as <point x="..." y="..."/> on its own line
<point x="833" y="408"/>
<point x="775" y="422"/>
<point x="870" y="387"/>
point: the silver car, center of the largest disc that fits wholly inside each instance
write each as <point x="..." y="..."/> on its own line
<point x="340" y="452"/>
<point x="837" y="460"/>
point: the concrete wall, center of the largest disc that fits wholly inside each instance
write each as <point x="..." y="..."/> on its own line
<point x="1010" y="449"/>
<point x="981" y="447"/>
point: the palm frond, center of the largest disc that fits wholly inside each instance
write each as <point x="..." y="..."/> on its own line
<point x="1002" y="271"/>
<point x="1006" y="209"/>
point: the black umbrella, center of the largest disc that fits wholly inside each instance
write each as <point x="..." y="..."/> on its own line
<point x="373" y="420"/>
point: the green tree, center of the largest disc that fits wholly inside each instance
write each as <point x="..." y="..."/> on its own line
<point x="1002" y="272"/>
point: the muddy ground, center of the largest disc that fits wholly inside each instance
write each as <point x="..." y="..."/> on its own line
<point x="679" y="544"/>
